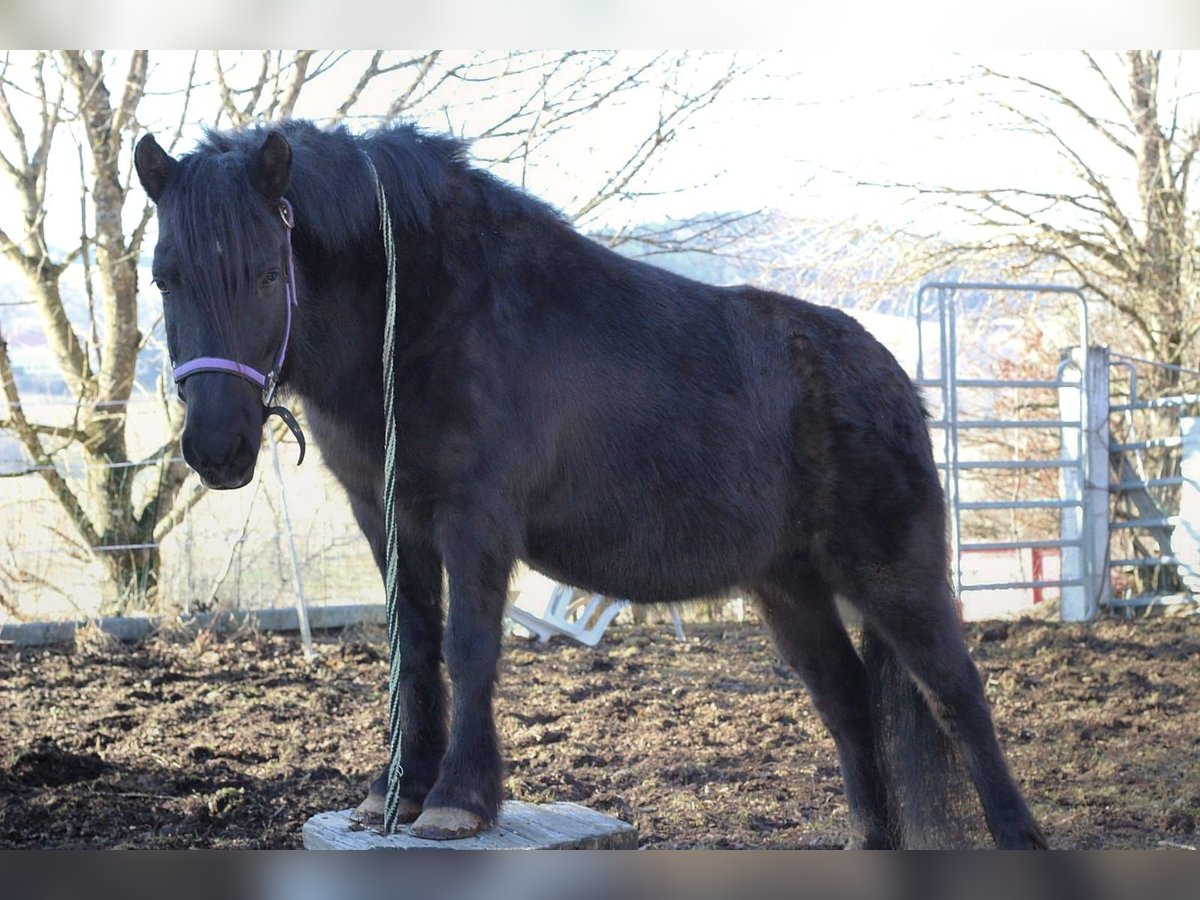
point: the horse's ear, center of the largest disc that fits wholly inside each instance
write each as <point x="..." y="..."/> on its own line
<point x="271" y="167"/>
<point x="154" y="166"/>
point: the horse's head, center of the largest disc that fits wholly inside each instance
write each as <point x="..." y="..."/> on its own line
<point x="222" y="264"/>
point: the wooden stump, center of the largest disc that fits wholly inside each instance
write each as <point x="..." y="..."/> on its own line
<point x="521" y="826"/>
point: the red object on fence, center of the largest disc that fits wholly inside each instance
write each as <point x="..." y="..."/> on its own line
<point x="1037" y="568"/>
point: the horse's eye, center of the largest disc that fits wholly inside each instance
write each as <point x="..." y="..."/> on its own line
<point x="162" y="286"/>
<point x="270" y="278"/>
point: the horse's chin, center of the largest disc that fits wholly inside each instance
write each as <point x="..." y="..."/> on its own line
<point x="227" y="483"/>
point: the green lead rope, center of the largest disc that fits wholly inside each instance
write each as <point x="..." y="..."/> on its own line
<point x="391" y="576"/>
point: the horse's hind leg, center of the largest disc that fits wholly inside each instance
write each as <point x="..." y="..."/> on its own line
<point x="911" y="606"/>
<point x="804" y="624"/>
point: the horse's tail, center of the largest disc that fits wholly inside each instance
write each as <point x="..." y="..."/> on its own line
<point x="929" y="794"/>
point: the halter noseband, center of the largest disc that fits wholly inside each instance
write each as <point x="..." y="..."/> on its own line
<point x="269" y="382"/>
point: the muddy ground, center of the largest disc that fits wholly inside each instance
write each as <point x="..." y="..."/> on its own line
<point x="207" y="741"/>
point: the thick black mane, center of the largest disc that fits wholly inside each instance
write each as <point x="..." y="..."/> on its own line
<point x="330" y="181"/>
<point x="332" y="185"/>
<point x="211" y="214"/>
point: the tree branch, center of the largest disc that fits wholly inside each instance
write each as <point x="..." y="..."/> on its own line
<point x="292" y="94"/>
<point x="1060" y="97"/>
<point x="674" y="117"/>
<point x="28" y="436"/>
<point x="135" y="86"/>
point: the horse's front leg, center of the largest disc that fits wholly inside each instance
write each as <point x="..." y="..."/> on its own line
<point x="422" y="689"/>
<point x="467" y="795"/>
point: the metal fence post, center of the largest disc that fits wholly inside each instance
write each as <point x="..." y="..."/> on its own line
<point x="1096" y="487"/>
<point x="1072" y="519"/>
<point x="1085" y="398"/>
<point x="1185" y="537"/>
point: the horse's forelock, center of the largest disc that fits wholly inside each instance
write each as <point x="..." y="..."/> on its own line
<point x="213" y="219"/>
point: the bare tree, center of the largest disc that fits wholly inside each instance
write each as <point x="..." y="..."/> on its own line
<point x="519" y="110"/>
<point x="97" y="362"/>
<point x="1123" y="225"/>
<point x="1121" y="221"/>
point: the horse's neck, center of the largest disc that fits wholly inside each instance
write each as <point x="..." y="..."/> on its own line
<point x="339" y="333"/>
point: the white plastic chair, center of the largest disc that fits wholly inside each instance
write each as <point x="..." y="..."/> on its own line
<point x="566" y="611"/>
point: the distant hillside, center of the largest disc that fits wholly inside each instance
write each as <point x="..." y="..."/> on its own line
<point x="34" y="365"/>
<point x="818" y="263"/>
<point x="862" y="273"/>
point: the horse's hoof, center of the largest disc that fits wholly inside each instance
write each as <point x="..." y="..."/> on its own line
<point x="370" y="812"/>
<point x="445" y="823"/>
<point x="1030" y="838"/>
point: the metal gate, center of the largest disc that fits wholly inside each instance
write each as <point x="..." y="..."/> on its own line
<point x="1155" y="557"/>
<point x="989" y="443"/>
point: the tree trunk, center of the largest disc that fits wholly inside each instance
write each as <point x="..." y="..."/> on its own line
<point x="134" y="577"/>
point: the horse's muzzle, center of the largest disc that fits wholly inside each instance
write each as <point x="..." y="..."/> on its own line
<point x="224" y="462"/>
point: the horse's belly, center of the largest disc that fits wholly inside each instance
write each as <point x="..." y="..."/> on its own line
<point x="657" y="547"/>
<point x="670" y="578"/>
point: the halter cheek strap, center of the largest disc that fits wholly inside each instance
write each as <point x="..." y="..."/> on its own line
<point x="269" y="382"/>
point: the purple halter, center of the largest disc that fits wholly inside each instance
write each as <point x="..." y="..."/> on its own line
<point x="267" y="383"/>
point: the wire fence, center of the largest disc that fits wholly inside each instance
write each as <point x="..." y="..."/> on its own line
<point x="231" y="550"/>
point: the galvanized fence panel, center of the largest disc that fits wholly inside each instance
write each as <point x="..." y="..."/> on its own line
<point x="945" y="378"/>
<point x="1149" y="508"/>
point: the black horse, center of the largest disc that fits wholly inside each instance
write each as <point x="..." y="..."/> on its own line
<point x="616" y="426"/>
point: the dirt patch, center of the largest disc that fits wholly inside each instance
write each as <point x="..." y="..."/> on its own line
<point x="236" y="741"/>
